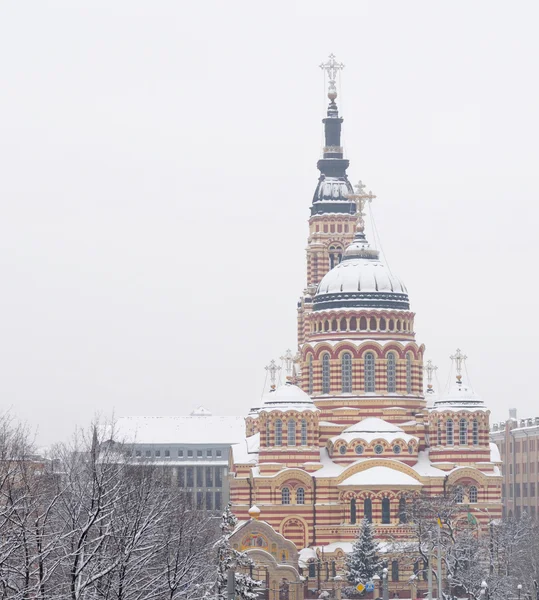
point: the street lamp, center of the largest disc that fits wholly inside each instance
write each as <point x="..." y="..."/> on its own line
<point x="519" y="588"/>
<point x="385" y="584"/>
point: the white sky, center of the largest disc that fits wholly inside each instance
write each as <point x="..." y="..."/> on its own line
<point x="158" y="163"/>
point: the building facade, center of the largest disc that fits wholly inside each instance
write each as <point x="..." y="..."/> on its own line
<point x="518" y="444"/>
<point x="194" y="451"/>
<point x="350" y="435"/>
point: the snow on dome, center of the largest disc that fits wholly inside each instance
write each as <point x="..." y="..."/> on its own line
<point x="361" y="280"/>
<point x="460" y="396"/>
<point x="377" y="477"/>
<point x="287" y="397"/>
<point x="373" y="428"/>
<point x="200" y="411"/>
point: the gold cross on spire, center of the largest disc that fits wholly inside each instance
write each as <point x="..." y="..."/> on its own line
<point x="272" y="369"/>
<point x="459" y="359"/>
<point x="361" y="198"/>
<point x="332" y="67"/>
<point x="430" y="369"/>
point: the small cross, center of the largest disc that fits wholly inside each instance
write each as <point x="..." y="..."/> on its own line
<point x="288" y="359"/>
<point x="332" y="67"/>
<point x="459" y="359"/>
<point x="430" y="369"/>
<point x="361" y="199"/>
<point x="272" y="369"/>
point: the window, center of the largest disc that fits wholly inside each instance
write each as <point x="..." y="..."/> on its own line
<point x="510" y="490"/>
<point x="409" y="373"/>
<point x="303" y="432"/>
<point x="402" y="510"/>
<point x="459" y="498"/>
<point x="209" y="453"/>
<point x="199" y="453"/>
<point x="158" y="454"/>
<point x="386" y="511"/>
<point x="472" y="494"/>
<point x="180" y="453"/>
<point x="449" y="432"/>
<point x="525" y="490"/>
<point x="410" y="449"/>
<point x="200" y="499"/>
<point x="218" y="477"/>
<point x="218" y="453"/>
<point x="532" y="489"/>
<point x="291" y="438"/>
<point x="190" y="476"/>
<point x="181" y="477"/>
<point x="369" y="373"/>
<point x="394" y="570"/>
<point x="353" y="516"/>
<point x="378" y="449"/>
<point x="335" y="254"/>
<point x="312" y="569"/>
<point x="475" y="432"/>
<point x="325" y="374"/>
<point x="148" y="453"/>
<point x="300" y="496"/>
<point x="503" y="490"/>
<point x="342" y="449"/>
<point x="217" y="503"/>
<point x="209" y="500"/>
<point x="367" y="509"/>
<point x="396" y="449"/>
<point x="363" y="324"/>
<point x="391" y="373"/>
<point x="138" y="453"/>
<point x="439" y="432"/>
<point x="285" y="495"/>
<point x="267" y="432"/>
<point x="517" y="490"/>
<point x="510" y="469"/>
<point x="346" y="373"/>
<point x="209" y="476"/>
<point x="167" y="453"/>
<point x="359" y="449"/>
<point x="189" y="454"/>
<point x="278" y="432"/>
<point x="200" y="476"/>
<point x="311" y="375"/>
<point x="372" y="324"/>
<point x="463" y="432"/>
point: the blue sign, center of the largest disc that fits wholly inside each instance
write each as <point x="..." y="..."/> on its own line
<point x="369" y="587"/>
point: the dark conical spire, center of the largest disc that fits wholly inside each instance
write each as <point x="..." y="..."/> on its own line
<point x="333" y="189"/>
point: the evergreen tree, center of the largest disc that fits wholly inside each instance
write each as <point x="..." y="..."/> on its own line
<point x="363" y="562"/>
<point x="227" y="558"/>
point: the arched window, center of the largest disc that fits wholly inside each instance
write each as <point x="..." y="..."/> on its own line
<point x="312" y="569"/>
<point x="353" y="324"/>
<point x="391" y="324"/>
<point x="372" y="324"/>
<point x="334" y="325"/>
<point x="463" y="432"/>
<point x="363" y="324"/>
<point x="285" y="495"/>
<point x="300" y="495"/>
<point x="335" y="255"/>
<point x="310" y="375"/>
<point x="402" y="510"/>
<point x="278" y="432"/>
<point x="353" y="516"/>
<point x="291" y="440"/>
<point x="472" y="494"/>
<point x="394" y="570"/>
<point x="369" y="372"/>
<point x="382" y="324"/>
<point x="267" y="433"/>
<point x="367" y="509"/>
<point x="391" y="373"/>
<point x="344" y="325"/>
<point x="439" y="432"/>
<point x="346" y="373"/>
<point x="325" y="374"/>
<point x="326" y="325"/>
<point x="409" y="373"/>
<point x="386" y="511"/>
<point x="459" y="497"/>
<point x="303" y="432"/>
<point x="449" y="432"/>
<point x="475" y="432"/>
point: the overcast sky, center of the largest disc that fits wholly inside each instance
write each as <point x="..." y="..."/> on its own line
<point x="158" y="163"/>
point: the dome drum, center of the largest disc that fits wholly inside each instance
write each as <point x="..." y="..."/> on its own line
<point x="382" y="300"/>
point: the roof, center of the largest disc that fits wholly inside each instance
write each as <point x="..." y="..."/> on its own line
<point x="288" y="397"/>
<point x="380" y="476"/>
<point x="192" y="429"/>
<point x="460" y="396"/>
<point x="373" y="428"/>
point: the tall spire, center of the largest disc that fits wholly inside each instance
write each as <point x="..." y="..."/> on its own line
<point x="333" y="186"/>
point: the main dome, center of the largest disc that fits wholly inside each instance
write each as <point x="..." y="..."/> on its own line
<point x="361" y="280"/>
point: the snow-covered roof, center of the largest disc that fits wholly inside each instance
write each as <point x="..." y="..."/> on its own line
<point x="380" y="476"/>
<point x="288" y="397"/>
<point x="495" y="456"/>
<point x="373" y="428"/>
<point x="460" y="396"/>
<point x="247" y="450"/>
<point x="193" y="429"/>
<point x="425" y="468"/>
<point x="200" y="411"/>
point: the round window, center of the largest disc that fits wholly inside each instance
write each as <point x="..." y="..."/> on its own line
<point x="397" y="449"/>
<point x="359" y="449"/>
<point x="410" y="449"/>
<point x="378" y="449"/>
<point x="342" y="449"/>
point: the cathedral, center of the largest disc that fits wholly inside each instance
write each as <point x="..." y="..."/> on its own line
<point x="352" y="434"/>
